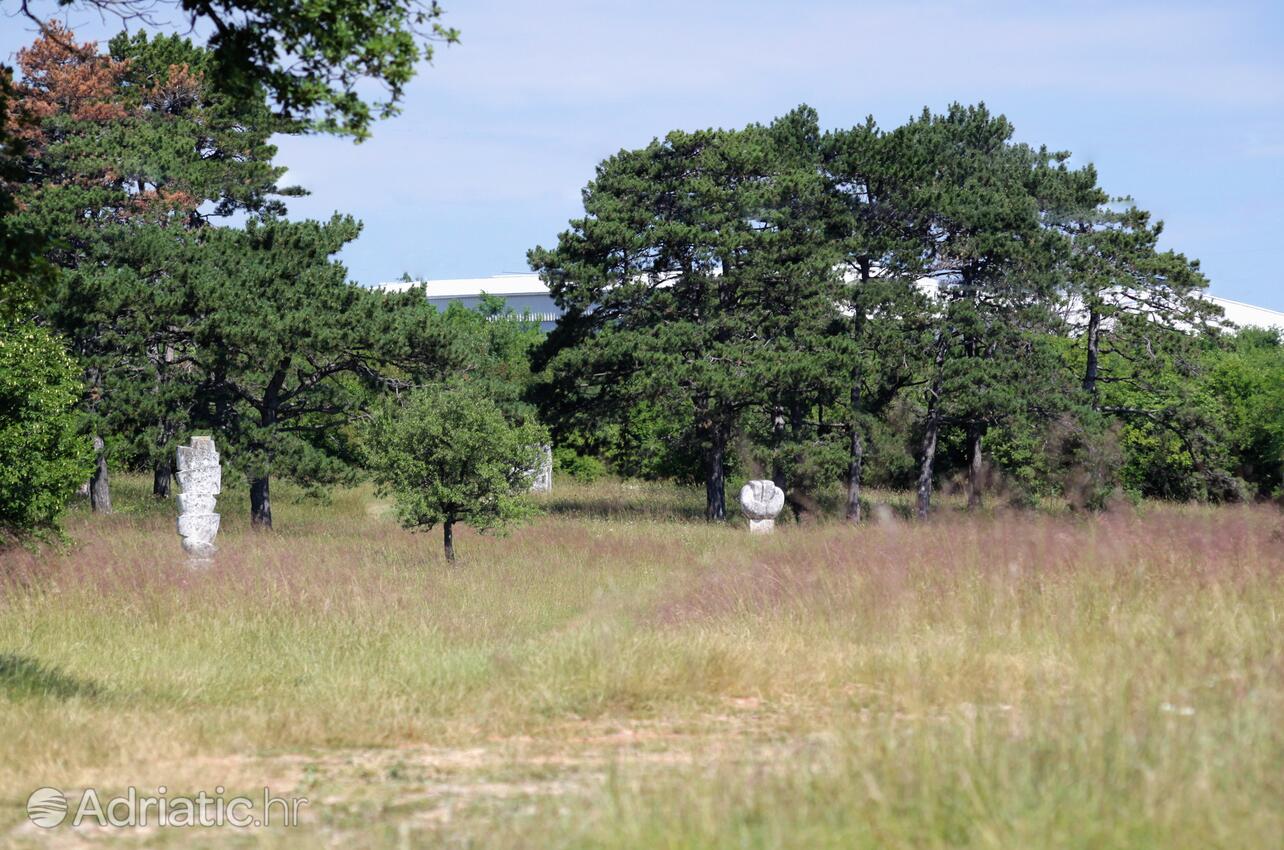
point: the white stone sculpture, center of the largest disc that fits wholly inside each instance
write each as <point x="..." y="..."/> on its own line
<point x="200" y="478"/>
<point x="760" y="501"/>
<point x="543" y="480"/>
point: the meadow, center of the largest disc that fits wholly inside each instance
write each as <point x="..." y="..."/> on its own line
<point x="617" y="673"/>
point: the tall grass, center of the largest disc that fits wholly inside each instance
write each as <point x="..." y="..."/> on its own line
<point x="618" y="675"/>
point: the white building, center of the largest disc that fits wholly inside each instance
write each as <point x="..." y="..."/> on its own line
<point x="1248" y="316"/>
<point x="526" y="293"/>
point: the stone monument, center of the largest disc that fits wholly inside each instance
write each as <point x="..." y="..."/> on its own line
<point x="760" y="501"/>
<point x="200" y="478"/>
<point x="543" y="480"/>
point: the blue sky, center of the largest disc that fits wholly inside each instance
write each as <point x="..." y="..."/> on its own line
<point x="1180" y="105"/>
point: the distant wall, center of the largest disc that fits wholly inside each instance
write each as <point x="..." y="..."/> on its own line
<point x="541" y="307"/>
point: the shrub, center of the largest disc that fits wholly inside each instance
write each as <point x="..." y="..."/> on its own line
<point x="584" y="468"/>
<point x="42" y="458"/>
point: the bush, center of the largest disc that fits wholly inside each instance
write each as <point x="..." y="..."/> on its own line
<point x="42" y="458"/>
<point x="583" y="468"/>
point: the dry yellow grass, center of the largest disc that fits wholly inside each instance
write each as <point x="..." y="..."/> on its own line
<point x="618" y="674"/>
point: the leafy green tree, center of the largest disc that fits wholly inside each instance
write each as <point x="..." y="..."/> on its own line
<point x="1247" y="377"/>
<point x="647" y="441"/>
<point x="1181" y="416"/>
<point x="42" y="458"/>
<point x="448" y="455"/>
<point x="490" y="345"/>
<point x="316" y="60"/>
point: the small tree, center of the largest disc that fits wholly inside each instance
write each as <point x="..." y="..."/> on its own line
<point x="448" y="455"/>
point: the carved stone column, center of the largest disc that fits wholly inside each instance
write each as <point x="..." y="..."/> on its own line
<point x="200" y="478"/>
<point x="543" y="480"/>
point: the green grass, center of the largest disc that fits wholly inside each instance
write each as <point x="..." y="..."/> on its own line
<point x="619" y="674"/>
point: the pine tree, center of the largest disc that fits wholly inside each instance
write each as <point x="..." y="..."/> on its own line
<point x="793" y="300"/>
<point x="127" y="150"/>
<point x="696" y="281"/>
<point x="280" y="338"/>
<point x="994" y="264"/>
<point x="885" y="244"/>
<point x="316" y="61"/>
<point x="1139" y="325"/>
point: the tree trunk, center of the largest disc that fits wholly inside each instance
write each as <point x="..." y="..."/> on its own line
<point x="930" y="433"/>
<point x="448" y="539"/>
<point x="715" y="476"/>
<point x="794" y="496"/>
<point x="974" y="470"/>
<point x="100" y="484"/>
<point x="161" y="475"/>
<point x="1093" y="339"/>
<point x="778" y="439"/>
<point x="926" y="464"/>
<point x="260" y="497"/>
<point x="856" y="456"/>
<point x="260" y="504"/>
<point x="857" y="459"/>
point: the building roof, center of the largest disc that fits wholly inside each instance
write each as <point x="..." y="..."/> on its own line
<point x="1246" y="315"/>
<point x="471" y="287"/>
<point x="1242" y="314"/>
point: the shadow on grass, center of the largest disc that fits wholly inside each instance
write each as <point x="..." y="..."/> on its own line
<point x="22" y="678"/>
<point x="619" y="509"/>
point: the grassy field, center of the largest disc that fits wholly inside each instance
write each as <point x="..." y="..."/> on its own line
<point x="619" y="674"/>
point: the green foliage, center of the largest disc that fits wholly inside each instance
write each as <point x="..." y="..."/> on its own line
<point x="183" y="134"/>
<point x="130" y="152"/>
<point x="43" y="459"/>
<point x="447" y="454"/>
<point x="583" y="468"/>
<point x="274" y="329"/>
<point x="744" y="302"/>
<point x="24" y="274"/>
<point x="1246" y="377"/>
<point x="318" y="61"/>
<point x="492" y="345"/>
<point x="758" y="293"/>
<point x="699" y="281"/>
<point x="647" y="441"/>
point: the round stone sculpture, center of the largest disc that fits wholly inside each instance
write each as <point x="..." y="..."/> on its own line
<point x="201" y="480"/>
<point x="760" y="502"/>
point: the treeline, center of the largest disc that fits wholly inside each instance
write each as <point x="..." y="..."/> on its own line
<point x="896" y="307"/>
<point x="745" y="302"/>
<point x="124" y="172"/>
